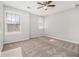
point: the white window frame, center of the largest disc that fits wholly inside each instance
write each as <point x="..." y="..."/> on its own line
<point x="11" y="12"/>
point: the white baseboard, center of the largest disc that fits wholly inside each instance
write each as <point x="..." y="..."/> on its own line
<point x="51" y="36"/>
<point x="36" y="36"/>
<point x="16" y="41"/>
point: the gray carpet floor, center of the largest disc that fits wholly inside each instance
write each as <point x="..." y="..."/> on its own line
<point x="45" y="47"/>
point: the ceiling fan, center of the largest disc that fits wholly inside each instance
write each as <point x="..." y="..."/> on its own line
<point x="45" y="4"/>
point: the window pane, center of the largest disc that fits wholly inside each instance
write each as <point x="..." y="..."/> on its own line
<point x="13" y="27"/>
<point x="17" y="19"/>
<point x="13" y="19"/>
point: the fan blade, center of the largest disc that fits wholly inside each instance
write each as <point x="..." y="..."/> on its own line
<point x="40" y="7"/>
<point x="40" y="3"/>
<point x="49" y="2"/>
<point x="45" y="3"/>
<point x="51" y="5"/>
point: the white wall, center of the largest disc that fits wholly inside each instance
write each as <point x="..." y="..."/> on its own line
<point x="24" y="22"/>
<point x="1" y="26"/>
<point x="37" y="25"/>
<point x="64" y="25"/>
<point x="29" y="26"/>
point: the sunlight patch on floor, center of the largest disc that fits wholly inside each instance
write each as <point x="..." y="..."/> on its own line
<point x="51" y="40"/>
<point x="17" y="52"/>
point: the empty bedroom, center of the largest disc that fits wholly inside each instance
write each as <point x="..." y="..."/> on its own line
<point x="39" y="28"/>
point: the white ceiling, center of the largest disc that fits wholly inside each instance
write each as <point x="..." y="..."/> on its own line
<point x="60" y="6"/>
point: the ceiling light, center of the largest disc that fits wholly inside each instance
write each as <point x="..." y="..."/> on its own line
<point x="45" y="7"/>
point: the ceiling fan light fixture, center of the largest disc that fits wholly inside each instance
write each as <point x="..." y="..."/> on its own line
<point x="45" y="7"/>
<point x="45" y="4"/>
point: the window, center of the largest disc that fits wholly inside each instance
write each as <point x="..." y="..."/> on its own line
<point x="12" y="22"/>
